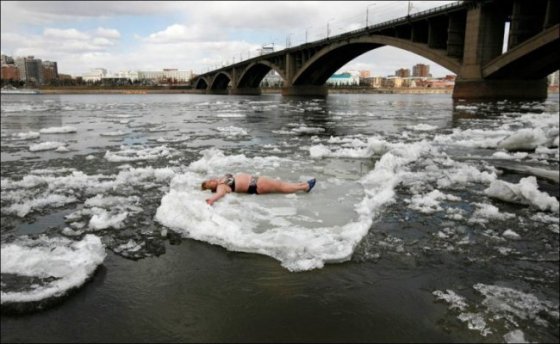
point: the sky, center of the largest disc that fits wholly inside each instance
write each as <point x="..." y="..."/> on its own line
<point x="192" y="35"/>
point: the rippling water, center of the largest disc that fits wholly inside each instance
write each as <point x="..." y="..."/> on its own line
<point x="430" y="221"/>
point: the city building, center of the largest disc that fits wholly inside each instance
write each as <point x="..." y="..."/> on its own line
<point x="10" y="72"/>
<point x="377" y="81"/>
<point x="421" y="70"/>
<point x="50" y="71"/>
<point x="133" y="76"/>
<point x="344" y="79"/>
<point x="403" y="73"/>
<point x="365" y="74"/>
<point x="7" y="60"/>
<point x="30" y="69"/>
<point x="95" y="74"/>
<point x="168" y="75"/>
<point x="393" y="82"/>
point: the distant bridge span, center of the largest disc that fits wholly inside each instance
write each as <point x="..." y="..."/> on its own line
<point x="464" y="37"/>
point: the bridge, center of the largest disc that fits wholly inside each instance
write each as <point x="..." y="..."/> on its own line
<point x="465" y="37"/>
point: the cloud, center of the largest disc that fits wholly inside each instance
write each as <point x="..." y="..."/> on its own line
<point x="65" y="34"/>
<point x="177" y="33"/>
<point x="107" y="33"/>
<point x="194" y="35"/>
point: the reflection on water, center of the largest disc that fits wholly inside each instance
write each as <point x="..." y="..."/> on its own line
<point x="399" y="241"/>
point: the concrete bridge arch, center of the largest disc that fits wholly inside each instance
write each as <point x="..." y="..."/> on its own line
<point x="201" y="83"/>
<point x="221" y="81"/>
<point x="255" y="72"/>
<point x="465" y="37"/>
<point x="331" y="58"/>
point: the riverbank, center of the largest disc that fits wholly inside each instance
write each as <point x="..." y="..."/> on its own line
<point x="91" y="90"/>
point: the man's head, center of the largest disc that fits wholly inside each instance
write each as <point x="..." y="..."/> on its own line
<point x="210" y="184"/>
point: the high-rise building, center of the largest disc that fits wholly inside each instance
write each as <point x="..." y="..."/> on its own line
<point x="30" y="69"/>
<point x="7" y="59"/>
<point x="50" y="71"/>
<point x="10" y="72"/>
<point x="403" y="73"/>
<point x="365" y="74"/>
<point x="421" y="70"/>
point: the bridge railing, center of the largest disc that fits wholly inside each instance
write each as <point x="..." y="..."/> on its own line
<point x="389" y="23"/>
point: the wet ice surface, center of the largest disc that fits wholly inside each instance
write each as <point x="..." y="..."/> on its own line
<point x="471" y="188"/>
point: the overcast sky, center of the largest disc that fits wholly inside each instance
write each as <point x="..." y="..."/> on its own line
<point x="196" y="36"/>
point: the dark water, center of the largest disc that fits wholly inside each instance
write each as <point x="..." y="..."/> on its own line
<point x="157" y="284"/>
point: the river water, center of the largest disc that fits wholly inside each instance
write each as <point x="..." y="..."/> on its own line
<point x="430" y="221"/>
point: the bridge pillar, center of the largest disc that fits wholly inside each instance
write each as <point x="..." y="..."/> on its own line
<point x="500" y="89"/>
<point x="484" y="34"/>
<point x="306" y="91"/>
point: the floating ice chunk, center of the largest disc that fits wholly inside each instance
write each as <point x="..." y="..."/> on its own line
<point x="62" y="149"/>
<point x="21" y="209"/>
<point x="231" y="115"/>
<point x="466" y="107"/>
<point x="358" y="149"/>
<point x="298" y="243"/>
<point x="549" y="174"/>
<point x="101" y="201"/>
<point x="507" y="302"/>
<point x="429" y="203"/>
<point x="58" y="130"/>
<point x="515" y="336"/>
<point x="102" y="219"/>
<point x="160" y="128"/>
<point x="173" y="140"/>
<point x="130" y="247"/>
<point x="508" y="233"/>
<point x="130" y="154"/>
<point x="215" y="161"/>
<point x="422" y="127"/>
<point x="30" y="135"/>
<point x="232" y="131"/>
<point x="515" y="156"/>
<point x="475" y="321"/>
<point x="319" y="151"/>
<point x="525" y="192"/>
<point x="455" y="301"/>
<point x="49" y="145"/>
<point x="487" y="212"/>
<point x="473" y="138"/>
<point x="113" y="133"/>
<point x="463" y="174"/>
<point x="308" y="130"/>
<point x="525" y="139"/>
<point x="60" y="263"/>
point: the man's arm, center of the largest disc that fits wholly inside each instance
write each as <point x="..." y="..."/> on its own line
<point x="221" y="191"/>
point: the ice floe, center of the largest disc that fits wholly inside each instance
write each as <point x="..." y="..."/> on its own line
<point x="43" y="146"/>
<point x="58" y="130"/>
<point x="57" y="265"/>
<point x="139" y="153"/>
<point x="524" y="192"/>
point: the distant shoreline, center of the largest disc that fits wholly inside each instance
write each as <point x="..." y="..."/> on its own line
<point x="76" y="90"/>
